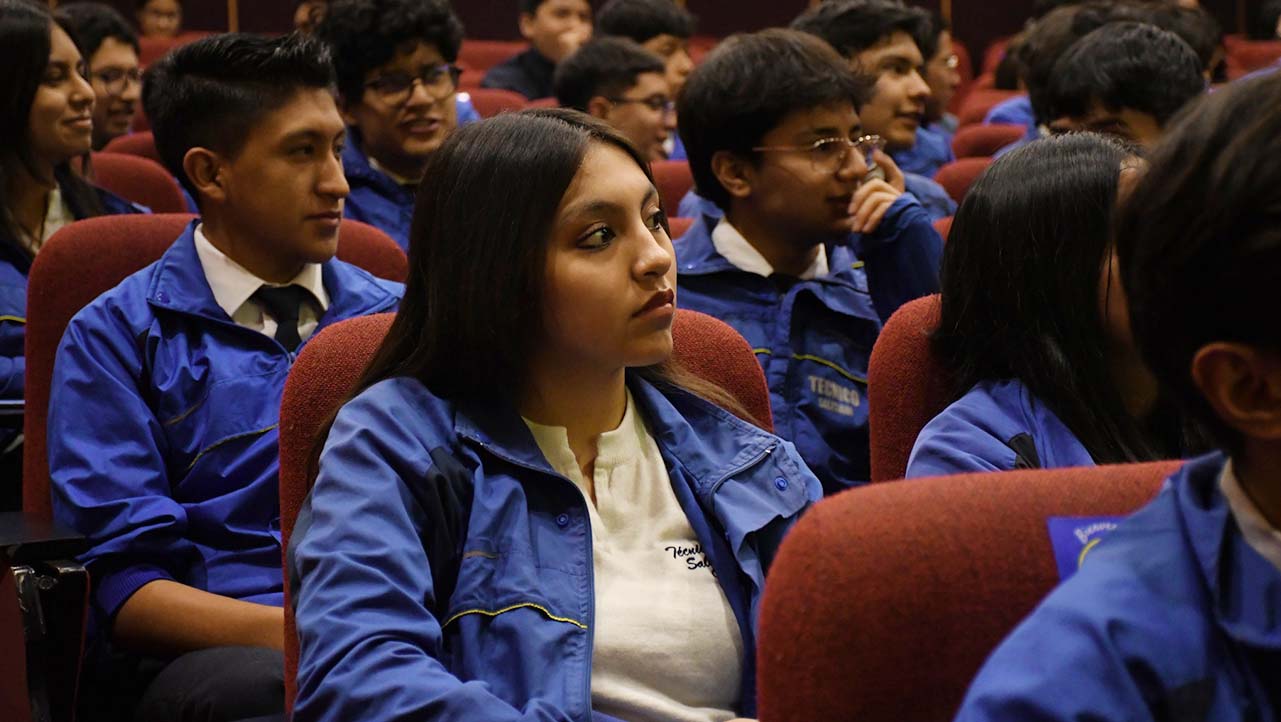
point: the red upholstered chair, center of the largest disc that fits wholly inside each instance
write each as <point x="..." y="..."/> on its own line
<point x="679" y="226"/>
<point x="993" y="55"/>
<point x="140" y="180"/>
<point x="674" y="180"/>
<point x="492" y="101"/>
<point x="330" y="365"/>
<point x="906" y="386"/>
<point x="15" y="702"/>
<point x="983" y="141"/>
<point x="139" y="144"/>
<point x="957" y="177"/>
<point x="885" y="600"/>
<point x="700" y="46"/>
<point x="484" y="54"/>
<point x="944" y="227"/>
<point x="979" y="102"/>
<point x="543" y="103"/>
<point x="1246" y="56"/>
<point x="89" y="257"/>
<point x="151" y="49"/>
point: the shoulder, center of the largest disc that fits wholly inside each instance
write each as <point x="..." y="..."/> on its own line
<point x="971" y="434"/>
<point x="124" y="308"/>
<point x="400" y="411"/>
<point x="365" y="286"/>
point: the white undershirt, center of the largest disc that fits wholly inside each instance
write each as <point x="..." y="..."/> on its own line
<point x="667" y="647"/>
<point x="1256" y="529"/>
<point x="233" y="286"/>
<point x="735" y="248"/>
<point x="56" y="216"/>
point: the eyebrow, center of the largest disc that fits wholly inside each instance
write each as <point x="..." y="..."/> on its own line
<point x="601" y="206"/>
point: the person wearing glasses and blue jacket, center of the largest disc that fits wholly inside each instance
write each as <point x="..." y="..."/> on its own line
<point x="398" y="91"/>
<point x="815" y="249"/>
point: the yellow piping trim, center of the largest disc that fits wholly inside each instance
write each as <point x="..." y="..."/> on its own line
<point x="857" y="264"/>
<point x="829" y="364"/>
<point x="765" y="351"/>
<point x="1080" y="560"/>
<point x="228" y="440"/>
<point x="489" y="613"/>
<point x="15" y="319"/>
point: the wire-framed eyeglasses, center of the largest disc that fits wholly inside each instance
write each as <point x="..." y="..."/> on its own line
<point x="395" y="88"/>
<point x="831" y="154"/>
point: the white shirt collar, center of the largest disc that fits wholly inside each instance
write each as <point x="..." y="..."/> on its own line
<point x="232" y="284"/>
<point x="397" y="179"/>
<point x="1256" y="529"/>
<point x="739" y="251"/>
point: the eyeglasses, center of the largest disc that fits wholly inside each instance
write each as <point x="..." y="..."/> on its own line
<point x="116" y="80"/>
<point x="396" y="88"/>
<point x="953" y="62"/>
<point x="831" y="154"/>
<point x="656" y="103"/>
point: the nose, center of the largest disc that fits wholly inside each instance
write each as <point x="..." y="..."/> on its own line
<point x="332" y="181"/>
<point x="132" y="91"/>
<point x="917" y="88"/>
<point x="683" y="63"/>
<point x="656" y="256"/>
<point x="855" y="165"/>
<point x="82" y="94"/>
<point x="420" y="95"/>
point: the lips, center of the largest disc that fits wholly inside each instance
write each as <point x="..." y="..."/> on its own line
<point x="666" y="297"/>
<point x="80" y="122"/>
<point x="421" y="126"/>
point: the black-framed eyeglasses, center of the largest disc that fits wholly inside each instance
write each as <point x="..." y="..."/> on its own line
<point x="116" y="80"/>
<point x="395" y="88"/>
<point x="656" y="103"/>
<point x="831" y="154"/>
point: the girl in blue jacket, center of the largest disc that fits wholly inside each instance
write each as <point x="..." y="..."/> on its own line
<point x="528" y="512"/>
<point x="1033" y="327"/>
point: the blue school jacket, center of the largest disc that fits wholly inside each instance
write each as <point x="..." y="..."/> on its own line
<point x="995" y="426"/>
<point x="15" y="264"/>
<point x="1173" y="616"/>
<point x="933" y="150"/>
<point x="813" y="338"/>
<point x="162" y="431"/>
<point x="375" y="198"/>
<point x="407" y="476"/>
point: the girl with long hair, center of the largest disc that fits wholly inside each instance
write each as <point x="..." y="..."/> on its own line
<point x="528" y="511"/>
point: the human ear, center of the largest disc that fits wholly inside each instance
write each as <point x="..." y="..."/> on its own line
<point x="734" y="173"/>
<point x="204" y="169"/>
<point x="527" y="29"/>
<point x="1243" y="385"/>
<point x="599" y="107"/>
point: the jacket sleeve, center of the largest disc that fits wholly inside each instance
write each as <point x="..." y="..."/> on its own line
<point x="959" y="440"/>
<point x="13" y="333"/>
<point x="901" y="257"/>
<point x="110" y="478"/>
<point x="370" y="643"/>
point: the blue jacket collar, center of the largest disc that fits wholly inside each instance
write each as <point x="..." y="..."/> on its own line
<point x="356" y="167"/>
<point x="1245" y="588"/>
<point x="697" y="255"/>
<point x="179" y="284"/>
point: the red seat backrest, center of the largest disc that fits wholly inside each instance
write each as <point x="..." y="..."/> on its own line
<point x="492" y="101"/>
<point x="331" y="364"/>
<point x="884" y="600"/>
<point x="90" y="257"/>
<point x="484" y="54"/>
<point x="151" y="49"/>
<point x="906" y="386"/>
<point x="140" y="144"/>
<point x="944" y="227"/>
<point x="140" y="180"/>
<point x="994" y="54"/>
<point x="979" y="102"/>
<point x="1246" y="56"/>
<point x="679" y="226"/>
<point x="983" y="141"/>
<point x="957" y="177"/>
<point x="674" y="180"/>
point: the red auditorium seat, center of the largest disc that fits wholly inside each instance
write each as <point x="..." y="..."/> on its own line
<point x="140" y="180"/>
<point x="330" y="365"/>
<point x="89" y="257"/>
<point x="543" y="103"/>
<point x="885" y="600"/>
<point x="944" y="227"/>
<point x="906" y="384"/>
<point x="139" y="144"/>
<point x="674" y="180"/>
<point x="679" y="226"/>
<point x="1246" y="56"/>
<point x="994" y="54"/>
<point x="484" y="54"/>
<point x="700" y="46"/>
<point x="492" y="101"/>
<point x="957" y="177"/>
<point x="983" y="141"/>
<point x="15" y="700"/>
<point x="979" y="102"/>
<point x="151" y="49"/>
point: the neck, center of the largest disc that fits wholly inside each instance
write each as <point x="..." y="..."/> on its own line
<point x="1258" y="470"/>
<point x="786" y="253"/>
<point x="250" y="251"/>
<point x="1137" y="385"/>
<point x="29" y="197"/>
<point x="587" y="402"/>
<point x="403" y="167"/>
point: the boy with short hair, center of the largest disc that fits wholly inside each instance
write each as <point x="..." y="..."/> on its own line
<point x="813" y="253"/>
<point x="1174" y="614"/>
<point x="884" y="40"/>
<point x="660" y="26"/>
<point x="398" y="92"/>
<point x="623" y="84"/>
<point x="110" y="49"/>
<point x="158" y="18"/>
<point x="554" y="29"/>
<point x="1124" y="79"/>
<point x="166" y="391"/>
<point x="933" y="148"/>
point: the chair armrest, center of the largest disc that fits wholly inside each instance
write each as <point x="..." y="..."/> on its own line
<point x="25" y="539"/>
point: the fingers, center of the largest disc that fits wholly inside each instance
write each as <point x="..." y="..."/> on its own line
<point x="893" y="175"/>
<point x="871" y="211"/>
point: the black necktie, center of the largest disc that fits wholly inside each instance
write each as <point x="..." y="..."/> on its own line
<point x="283" y="303"/>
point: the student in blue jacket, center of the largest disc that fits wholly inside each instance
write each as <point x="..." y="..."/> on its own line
<point x="398" y="89"/>
<point x="1174" y="615"/>
<point x="528" y="511"/>
<point x="775" y="142"/>
<point x="1033" y="329"/>
<point x="166" y="390"/>
<point x="46" y="122"/>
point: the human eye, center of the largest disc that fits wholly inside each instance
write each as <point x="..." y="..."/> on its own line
<point x="54" y="74"/>
<point x="657" y="221"/>
<point x="393" y="83"/>
<point x="597" y="239"/>
<point x="303" y="150"/>
<point x="828" y="148"/>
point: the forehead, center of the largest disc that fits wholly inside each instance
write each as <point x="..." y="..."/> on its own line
<point x="310" y="110"/>
<point x="648" y="84"/>
<point x="115" y="52"/>
<point x="61" y="49"/>
<point x="608" y="175"/>
<point x="560" y="7"/>
<point x="162" y="5"/>
<point x="895" y="46"/>
<point x="823" y="120"/>
<point x="411" y="56"/>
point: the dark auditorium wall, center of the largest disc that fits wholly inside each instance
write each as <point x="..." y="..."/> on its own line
<point x="976" y="22"/>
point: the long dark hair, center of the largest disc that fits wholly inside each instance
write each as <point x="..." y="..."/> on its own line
<point x="25" y="45"/>
<point x="1020" y="286"/>
<point x="472" y="310"/>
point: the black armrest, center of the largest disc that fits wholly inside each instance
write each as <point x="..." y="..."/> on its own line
<point x="26" y="539"/>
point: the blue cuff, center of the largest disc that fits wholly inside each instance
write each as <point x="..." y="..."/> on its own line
<point x="115" y="587"/>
